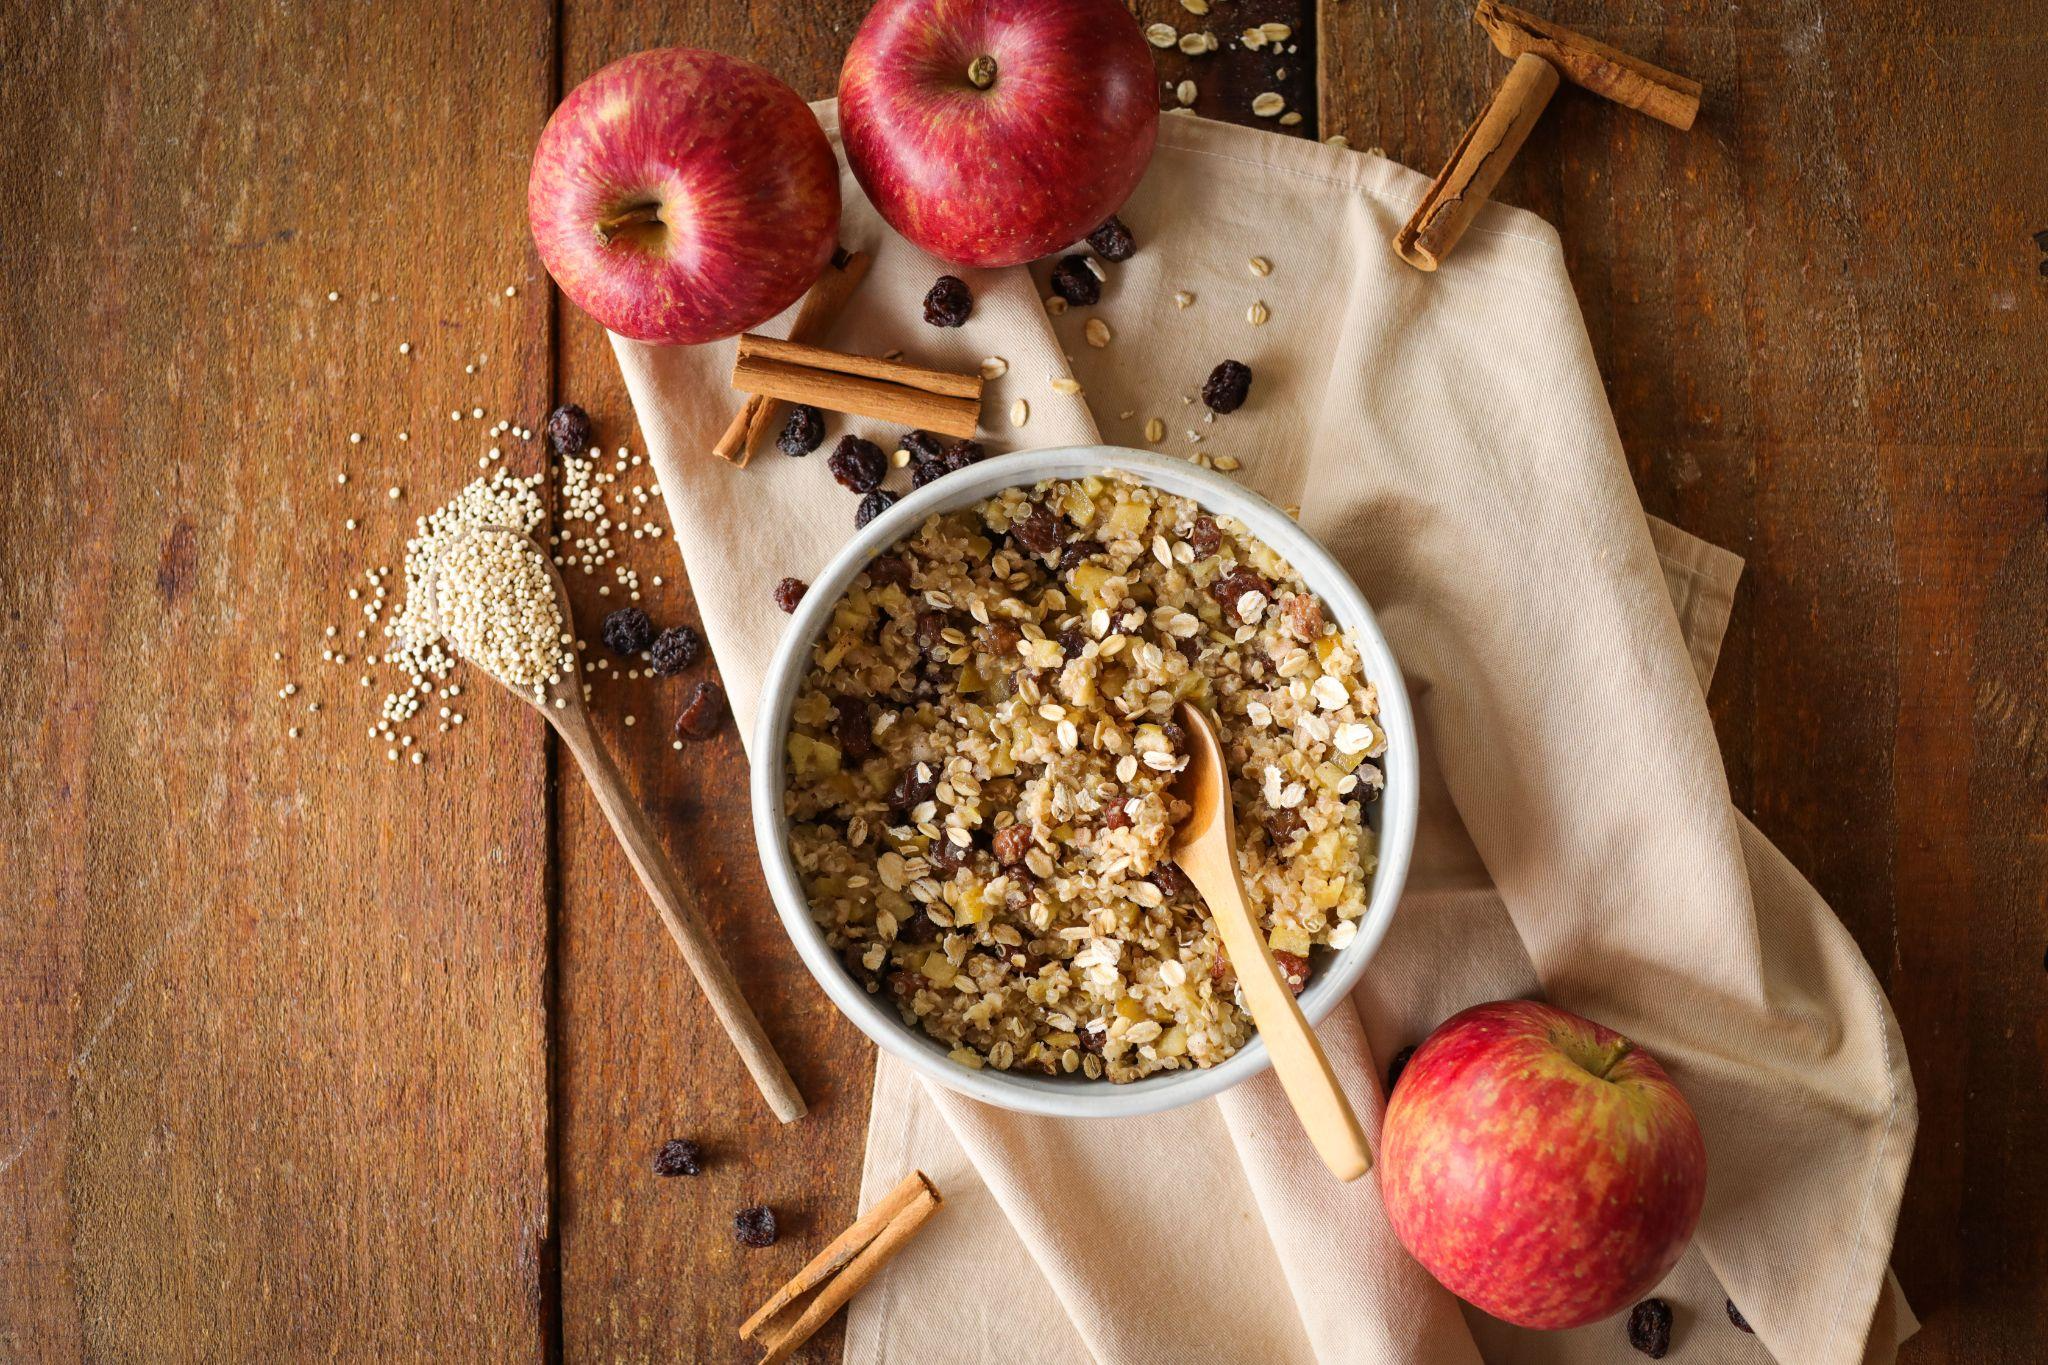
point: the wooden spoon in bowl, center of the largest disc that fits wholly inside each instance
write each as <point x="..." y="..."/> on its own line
<point x="1205" y="847"/>
<point x="562" y="703"/>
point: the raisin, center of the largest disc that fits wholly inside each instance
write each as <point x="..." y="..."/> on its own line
<point x="1293" y="970"/>
<point x="1116" y="815"/>
<point x="1012" y="843"/>
<point x="852" y="727"/>
<point x="1038" y="532"/>
<point x="789" y="592"/>
<point x="889" y="571"/>
<point x="679" y="1156"/>
<point x="1220" y="974"/>
<point x="1174" y="734"/>
<point x="1000" y="638"/>
<point x="1170" y="880"/>
<point x="1205" y="538"/>
<point x="922" y="445"/>
<point x="675" y="649"/>
<point x="1072" y="641"/>
<point x="704" y="711"/>
<point x="947" y="857"/>
<point x="802" y="432"/>
<point x="1397" y="1066"/>
<point x="917" y="929"/>
<point x="961" y="454"/>
<point x="872" y="506"/>
<point x="628" y="631"/>
<point x="1093" y="1037"/>
<point x="754" y="1227"/>
<point x="858" y="464"/>
<point x="931" y="634"/>
<point x="1113" y="241"/>
<point x="918" y="785"/>
<point x="1226" y="387"/>
<point x="1073" y="281"/>
<point x="1304" y="615"/>
<point x="1735" y="1314"/>
<point x="1649" y="1328"/>
<point x="923" y="472"/>
<point x="569" y="432"/>
<point x="1075" y="551"/>
<point x="949" y="302"/>
<point x="1282" y="826"/>
<point x="1229" y="588"/>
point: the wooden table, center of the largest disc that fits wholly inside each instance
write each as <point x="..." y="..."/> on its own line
<point x="311" y="1053"/>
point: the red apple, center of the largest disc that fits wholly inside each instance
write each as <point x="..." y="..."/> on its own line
<point x="1542" y="1167"/>
<point x="993" y="132"/>
<point x="681" y="196"/>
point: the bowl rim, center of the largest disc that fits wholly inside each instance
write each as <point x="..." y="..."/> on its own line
<point x="1318" y="568"/>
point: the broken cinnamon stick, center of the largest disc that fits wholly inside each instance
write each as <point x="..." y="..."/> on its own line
<point x="868" y="386"/>
<point x="1631" y="81"/>
<point x="842" y="1268"/>
<point x="1476" y="164"/>
<point x="814" y="321"/>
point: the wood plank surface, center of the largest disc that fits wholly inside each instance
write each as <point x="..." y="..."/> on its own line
<point x="1816" y="315"/>
<point x="272" y="1011"/>
<point x="312" y="1053"/>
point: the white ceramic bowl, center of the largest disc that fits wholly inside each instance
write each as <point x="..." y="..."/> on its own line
<point x="1393" y="815"/>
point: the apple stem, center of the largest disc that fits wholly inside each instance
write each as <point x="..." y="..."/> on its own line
<point x="981" y="72"/>
<point x="608" y="228"/>
<point x="1622" y="1047"/>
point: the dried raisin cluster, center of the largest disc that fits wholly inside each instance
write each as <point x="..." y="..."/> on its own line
<point x="949" y="303"/>
<point x="1227" y="386"/>
<point x="803" y="432"/>
<point x="1113" y="241"/>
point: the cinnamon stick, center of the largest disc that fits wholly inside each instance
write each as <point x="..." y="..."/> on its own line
<point x="814" y="321"/>
<point x="1630" y="81"/>
<point x="891" y="390"/>
<point x="1476" y="164"/>
<point x="843" y="1268"/>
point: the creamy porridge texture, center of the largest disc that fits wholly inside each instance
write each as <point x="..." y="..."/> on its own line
<point x="981" y="760"/>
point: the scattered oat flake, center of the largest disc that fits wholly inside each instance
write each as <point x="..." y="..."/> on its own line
<point x="1182" y="298"/>
<point x="1020" y="413"/>
<point x="1276" y="33"/>
<point x="1259" y="266"/>
<point x="994" y="367"/>
<point x="1161" y="35"/>
<point x="1257" y="314"/>
<point x="1194" y="44"/>
<point x="1253" y="39"/>
<point x="1155" y="430"/>
<point x="1055" y="305"/>
<point x="1229" y="463"/>
<point x="1290" y="118"/>
<point x="1268" y="104"/>
<point x="1195" y="6"/>
<point x="1185" y="92"/>
<point x="1097" y="332"/>
<point x="1064" y="384"/>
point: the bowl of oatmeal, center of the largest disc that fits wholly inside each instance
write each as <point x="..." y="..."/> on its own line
<point x="964" y="769"/>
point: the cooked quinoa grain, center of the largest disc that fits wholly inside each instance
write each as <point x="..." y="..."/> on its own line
<point x="981" y="761"/>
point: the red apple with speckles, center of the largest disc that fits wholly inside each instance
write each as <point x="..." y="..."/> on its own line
<point x="1542" y="1167"/>
<point x="993" y="132"/>
<point x="682" y="196"/>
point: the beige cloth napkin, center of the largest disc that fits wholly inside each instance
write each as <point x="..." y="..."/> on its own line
<point x="1448" y="437"/>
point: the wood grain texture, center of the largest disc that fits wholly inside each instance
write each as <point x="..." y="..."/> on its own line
<point x="1815" y="314"/>
<point x="271" y="1011"/>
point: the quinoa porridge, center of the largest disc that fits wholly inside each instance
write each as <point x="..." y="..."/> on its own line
<point x="980" y="766"/>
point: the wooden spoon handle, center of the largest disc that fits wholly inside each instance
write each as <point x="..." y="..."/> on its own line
<point x="1297" y="1055"/>
<point x="714" y="978"/>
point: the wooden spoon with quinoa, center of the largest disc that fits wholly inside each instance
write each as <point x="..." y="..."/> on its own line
<point x="501" y="602"/>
